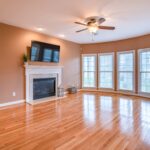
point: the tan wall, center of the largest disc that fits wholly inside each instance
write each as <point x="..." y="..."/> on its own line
<point x="129" y="44"/>
<point x="13" y="44"/>
<point x="122" y="45"/>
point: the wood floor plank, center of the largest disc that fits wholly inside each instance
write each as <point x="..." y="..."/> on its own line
<point x="82" y="121"/>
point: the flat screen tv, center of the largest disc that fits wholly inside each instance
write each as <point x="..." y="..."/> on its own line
<point x="44" y="52"/>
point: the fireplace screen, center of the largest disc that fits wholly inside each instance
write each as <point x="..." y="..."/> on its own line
<point x="44" y="87"/>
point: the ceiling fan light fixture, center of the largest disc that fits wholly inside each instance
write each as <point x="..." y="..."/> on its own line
<point x="93" y="29"/>
<point x="93" y="25"/>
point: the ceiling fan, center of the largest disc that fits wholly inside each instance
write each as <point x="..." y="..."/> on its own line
<point x="93" y="24"/>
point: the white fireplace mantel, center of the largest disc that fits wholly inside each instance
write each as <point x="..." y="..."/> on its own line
<point x="34" y="71"/>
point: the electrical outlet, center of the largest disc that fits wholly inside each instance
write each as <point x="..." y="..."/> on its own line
<point x="14" y="93"/>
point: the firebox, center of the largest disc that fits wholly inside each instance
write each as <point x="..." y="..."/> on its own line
<point x="44" y="87"/>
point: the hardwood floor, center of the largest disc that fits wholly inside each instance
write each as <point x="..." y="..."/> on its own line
<point x="85" y="121"/>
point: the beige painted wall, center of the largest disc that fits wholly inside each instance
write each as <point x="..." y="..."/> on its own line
<point x="13" y="44"/>
<point x="128" y="44"/>
<point x="122" y="45"/>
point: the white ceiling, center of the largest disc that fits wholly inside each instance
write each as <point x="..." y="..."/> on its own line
<point x="130" y="17"/>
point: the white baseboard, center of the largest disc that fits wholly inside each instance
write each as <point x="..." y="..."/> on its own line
<point x="11" y="103"/>
<point x="115" y="92"/>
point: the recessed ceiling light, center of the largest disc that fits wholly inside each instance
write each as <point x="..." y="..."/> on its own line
<point x="61" y="35"/>
<point x="39" y="29"/>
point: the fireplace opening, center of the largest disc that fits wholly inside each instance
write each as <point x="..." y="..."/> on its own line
<point x="44" y="87"/>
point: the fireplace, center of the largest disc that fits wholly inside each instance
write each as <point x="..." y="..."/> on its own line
<point x="44" y="87"/>
<point x="42" y="83"/>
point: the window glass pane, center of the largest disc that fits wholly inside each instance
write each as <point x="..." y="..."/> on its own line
<point x="126" y="62"/>
<point x="145" y="82"/>
<point x="106" y="70"/>
<point x="88" y="69"/>
<point x="106" y="63"/>
<point x="126" y="81"/>
<point x="145" y="71"/>
<point x="89" y="79"/>
<point x="145" y="61"/>
<point x="88" y="63"/>
<point x="126" y="71"/>
<point x="106" y="80"/>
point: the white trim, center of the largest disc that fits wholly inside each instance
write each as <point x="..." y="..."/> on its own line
<point x="113" y="66"/>
<point x="84" y="55"/>
<point x="139" y="72"/>
<point x="11" y="103"/>
<point x="115" y="92"/>
<point x="133" y="76"/>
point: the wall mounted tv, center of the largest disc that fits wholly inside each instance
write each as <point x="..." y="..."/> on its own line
<point x="44" y="52"/>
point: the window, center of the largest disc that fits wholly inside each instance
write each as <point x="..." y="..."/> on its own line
<point x="89" y="71"/>
<point x="126" y="71"/>
<point x="106" y="68"/>
<point x="144" y="71"/>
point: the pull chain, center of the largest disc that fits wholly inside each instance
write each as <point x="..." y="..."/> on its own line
<point x="92" y="36"/>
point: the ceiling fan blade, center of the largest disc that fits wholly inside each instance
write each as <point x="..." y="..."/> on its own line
<point x="80" y="23"/>
<point x="81" y="30"/>
<point x="101" y="20"/>
<point x="106" y="27"/>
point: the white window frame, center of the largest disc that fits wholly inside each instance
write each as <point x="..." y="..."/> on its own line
<point x="113" y="75"/>
<point x="95" y="79"/>
<point x="139" y="72"/>
<point x="133" y="75"/>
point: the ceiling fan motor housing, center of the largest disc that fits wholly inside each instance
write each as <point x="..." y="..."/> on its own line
<point x="92" y="20"/>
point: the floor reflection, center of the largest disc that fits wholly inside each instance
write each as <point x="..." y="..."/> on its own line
<point x="126" y="116"/>
<point x="145" y="112"/>
<point x="106" y="103"/>
<point x="145" y="122"/>
<point x="126" y="107"/>
<point x="106" y="111"/>
<point x="89" y="109"/>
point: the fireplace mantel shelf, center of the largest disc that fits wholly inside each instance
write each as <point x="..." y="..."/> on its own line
<point x="27" y="66"/>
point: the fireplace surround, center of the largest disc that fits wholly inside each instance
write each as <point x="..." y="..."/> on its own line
<point x="38" y="73"/>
